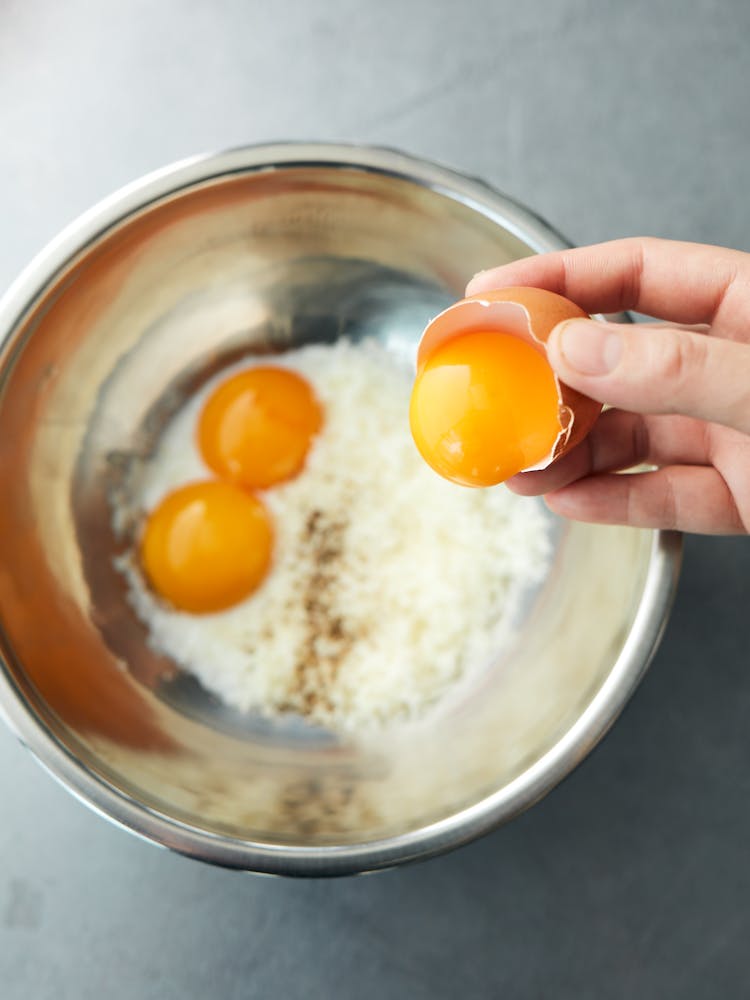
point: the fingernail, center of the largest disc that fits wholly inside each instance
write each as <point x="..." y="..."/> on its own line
<point x="588" y="347"/>
<point x="475" y="277"/>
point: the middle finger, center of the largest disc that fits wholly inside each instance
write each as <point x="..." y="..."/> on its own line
<point x="621" y="440"/>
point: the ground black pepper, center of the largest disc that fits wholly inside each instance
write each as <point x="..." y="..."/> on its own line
<point x="327" y="639"/>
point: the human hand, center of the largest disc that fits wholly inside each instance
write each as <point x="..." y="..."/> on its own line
<point x="680" y="394"/>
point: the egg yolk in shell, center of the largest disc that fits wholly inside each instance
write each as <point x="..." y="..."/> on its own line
<point x="206" y="546"/>
<point x="484" y="406"/>
<point x="256" y="427"/>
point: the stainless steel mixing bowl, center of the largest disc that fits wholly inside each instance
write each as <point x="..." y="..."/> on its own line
<point x="101" y="337"/>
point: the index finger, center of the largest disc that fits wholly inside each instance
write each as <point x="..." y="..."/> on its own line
<point x="680" y="282"/>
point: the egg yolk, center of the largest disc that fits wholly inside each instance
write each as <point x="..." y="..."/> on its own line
<point x="206" y="546"/>
<point x="484" y="407"/>
<point x="256" y="428"/>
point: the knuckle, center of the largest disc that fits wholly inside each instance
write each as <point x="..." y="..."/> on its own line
<point x="641" y="441"/>
<point x="657" y="505"/>
<point x="682" y="358"/>
<point x="634" y="275"/>
<point x="668" y="507"/>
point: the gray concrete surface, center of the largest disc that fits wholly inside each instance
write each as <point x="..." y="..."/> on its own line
<point x="609" y="118"/>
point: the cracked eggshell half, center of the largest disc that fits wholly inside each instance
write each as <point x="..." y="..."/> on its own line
<point x="530" y="314"/>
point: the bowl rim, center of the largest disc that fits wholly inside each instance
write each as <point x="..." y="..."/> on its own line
<point x="466" y="824"/>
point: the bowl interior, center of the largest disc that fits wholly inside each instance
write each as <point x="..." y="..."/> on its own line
<point x="253" y="263"/>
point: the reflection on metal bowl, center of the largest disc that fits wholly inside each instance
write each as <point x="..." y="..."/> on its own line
<point x="101" y="338"/>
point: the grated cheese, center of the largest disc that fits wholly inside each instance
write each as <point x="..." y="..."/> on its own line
<point x="389" y="585"/>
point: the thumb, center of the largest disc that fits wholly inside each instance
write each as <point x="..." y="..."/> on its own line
<point x="655" y="370"/>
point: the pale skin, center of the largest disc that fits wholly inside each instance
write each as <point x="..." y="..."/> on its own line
<point x="679" y="390"/>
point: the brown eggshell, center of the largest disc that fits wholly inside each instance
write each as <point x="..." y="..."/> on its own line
<point x="528" y="313"/>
